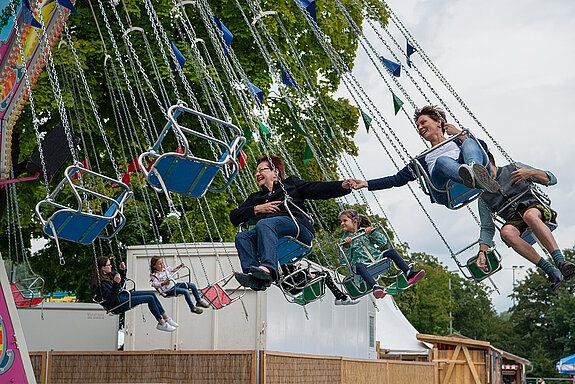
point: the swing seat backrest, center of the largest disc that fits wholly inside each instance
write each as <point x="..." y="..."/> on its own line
<point x="188" y="177"/>
<point x="459" y="195"/>
<point x="291" y="250"/>
<point x="24" y="301"/>
<point x="379" y="267"/>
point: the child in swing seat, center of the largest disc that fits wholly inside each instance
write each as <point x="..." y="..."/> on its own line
<point x="160" y="275"/>
<point x="358" y="251"/>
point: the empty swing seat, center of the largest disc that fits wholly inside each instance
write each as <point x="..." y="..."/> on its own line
<point x="184" y="173"/>
<point x="398" y="286"/>
<point x="80" y="224"/>
<point x="76" y="226"/>
<point x="216" y="296"/>
<point x="313" y="291"/>
<point x="22" y="300"/>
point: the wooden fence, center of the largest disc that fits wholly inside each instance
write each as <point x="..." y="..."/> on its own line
<point x="289" y="368"/>
<point x="221" y="367"/>
<point x="198" y="367"/>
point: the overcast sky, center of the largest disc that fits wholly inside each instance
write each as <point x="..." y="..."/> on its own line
<point x="512" y="64"/>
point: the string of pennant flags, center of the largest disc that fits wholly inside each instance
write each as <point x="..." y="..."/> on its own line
<point x="288" y="79"/>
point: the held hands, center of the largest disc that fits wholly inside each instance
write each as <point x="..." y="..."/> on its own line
<point x="368" y="230"/>
<point x="123" y="266"/>
<point x="271" y="207"/>
<point x="354" y="184"/>
<point x="165" y="282"/>
<point x="117" y="278"/>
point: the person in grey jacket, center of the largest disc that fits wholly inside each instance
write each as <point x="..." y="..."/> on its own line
<point x="521" y="210"/>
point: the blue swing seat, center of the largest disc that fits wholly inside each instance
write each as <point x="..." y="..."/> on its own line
<point x="79" y="225"/>
<point x="530" y="237"/>
<point x="291" y="250"/>
<point x="184" y="173"/>
<point x="183" y="176"/>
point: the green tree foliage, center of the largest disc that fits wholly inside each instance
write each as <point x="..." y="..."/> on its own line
<point x="427" y="304"/>
<point x="125" y="108"/>
<point x="544" y="321"/>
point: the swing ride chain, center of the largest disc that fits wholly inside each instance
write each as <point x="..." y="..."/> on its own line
<point x="92" y="103"/>
<point x="325" y="43"/>
<point x="293" y="49"/>
<point x="363" y="40"/>
<point x="443" y="80"/>
<point x="151" y="14"/>
<point x="318" y="34"/>
<point x="123" y="69"/>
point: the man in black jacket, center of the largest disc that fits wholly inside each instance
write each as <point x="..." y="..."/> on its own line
<point x="268" y="219"/>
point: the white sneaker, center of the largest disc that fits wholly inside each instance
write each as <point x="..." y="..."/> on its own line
<point x="172" y="322"/>
<point x="347" y="301"/>
<point x="165" y="327"/>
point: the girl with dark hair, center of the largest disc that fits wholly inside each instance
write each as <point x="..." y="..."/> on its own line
<point x="268" y="219"/>
<point x="461" y="160"/>
<point x="160" y="276"/>
<point x="358" y="251"/>
<point x="107" y="286"/>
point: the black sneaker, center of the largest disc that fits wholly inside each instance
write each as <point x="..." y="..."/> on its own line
<point x="567" y="269"/>
<point x="483" y="179"/>
<point x="249" y="281"/>
<point x="555" y="279"/>
<point x="466" y="174"/>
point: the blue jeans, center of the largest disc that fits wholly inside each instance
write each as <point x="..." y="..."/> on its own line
<point x="446" y="168"/>
<point x="259" y="246"/>
<point x="361" y="269"/>
<point x="182" y="289"/>
<point x="141" y="297"/>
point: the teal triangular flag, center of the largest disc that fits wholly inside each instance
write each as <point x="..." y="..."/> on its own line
<point x="397" y="103"/>
<point x="248" y="134"/>
<point x="263" y="130"/>
<point x="297" y="127"/>
<point x="366" y="120"/>
<point x="329" y="132"/>
<point x="307" y="154"/>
